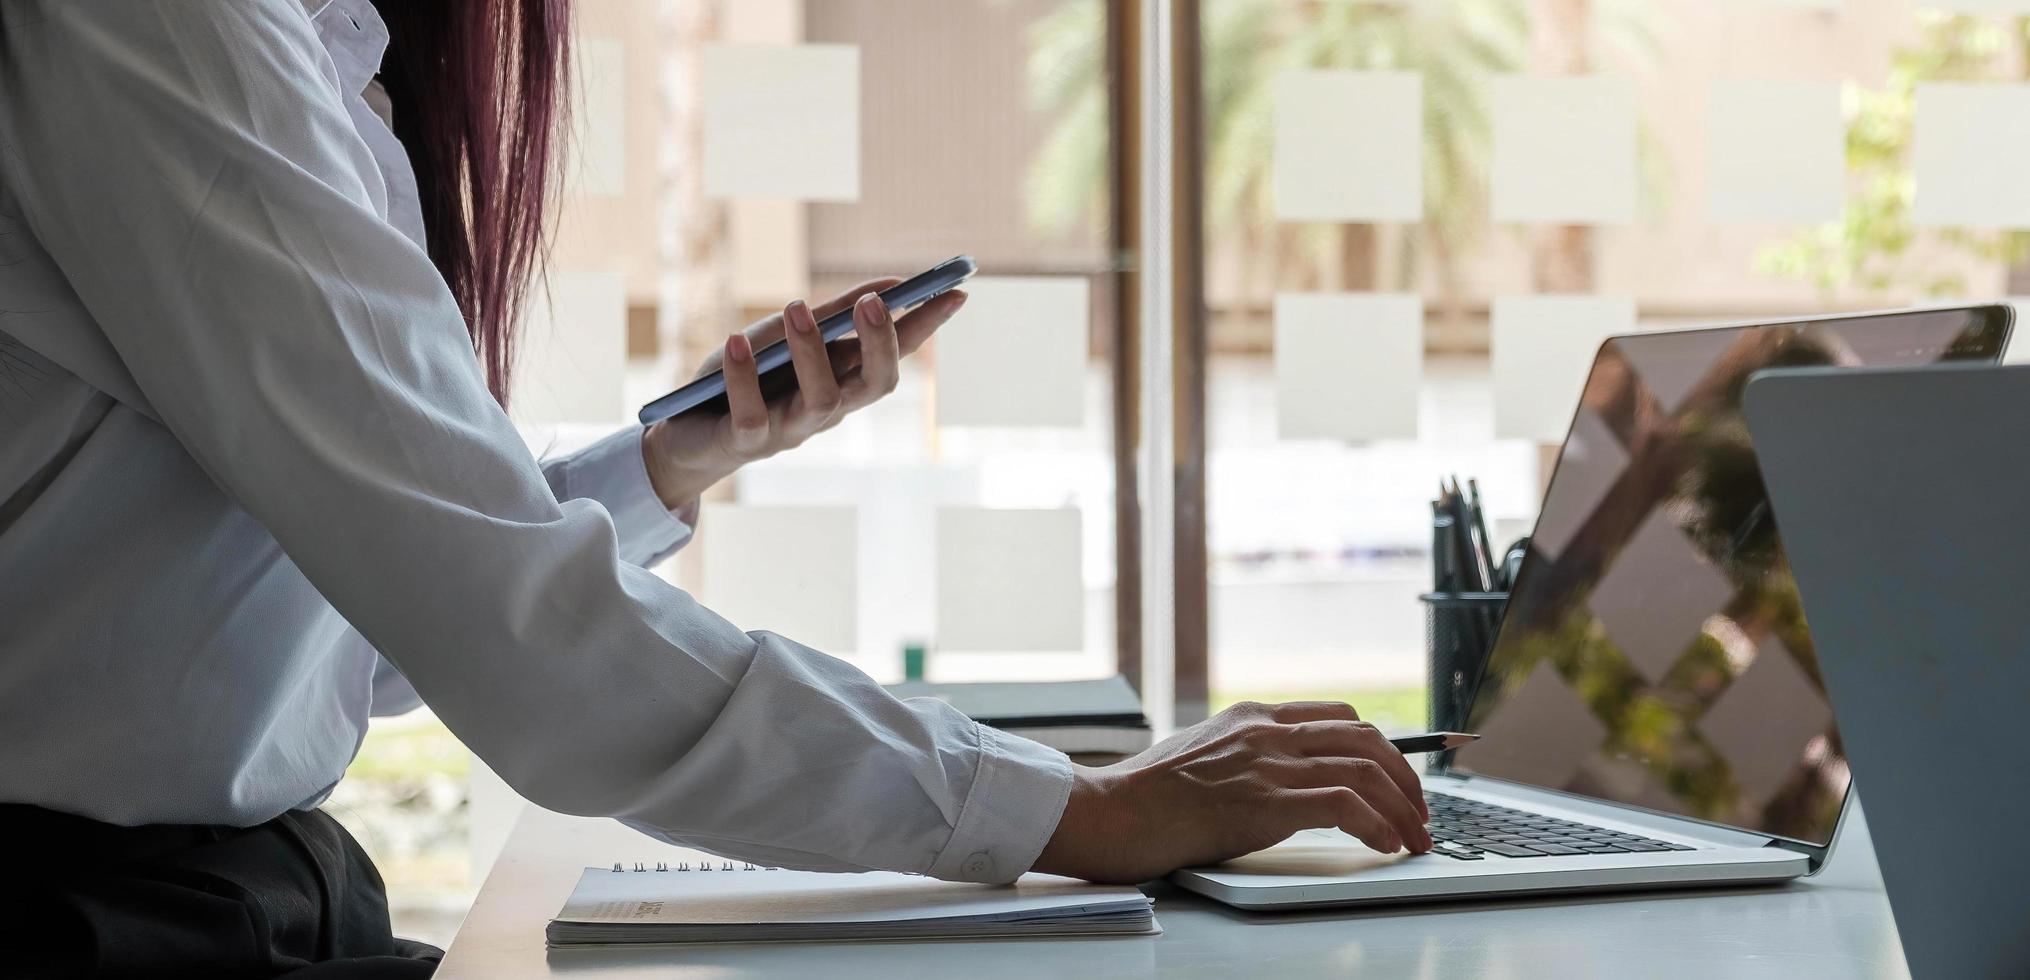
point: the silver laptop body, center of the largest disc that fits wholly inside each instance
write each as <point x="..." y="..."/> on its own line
<point x="1902" y="497"/>
<point x="1650" y="711"/>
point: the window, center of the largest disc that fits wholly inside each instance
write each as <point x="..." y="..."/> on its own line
<point x="729" y="158"/>
<point x="1495" y="185"/>
<point x="1400" y="229"/>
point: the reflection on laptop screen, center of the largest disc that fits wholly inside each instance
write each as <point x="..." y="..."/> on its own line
<point x="1654" y="652"/>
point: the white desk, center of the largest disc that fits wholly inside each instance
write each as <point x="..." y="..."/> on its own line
<point x="1834" y="925"/>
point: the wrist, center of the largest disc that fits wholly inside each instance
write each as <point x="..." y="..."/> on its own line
<point x="1087" y="841"/>
<point x="676" y="485"/>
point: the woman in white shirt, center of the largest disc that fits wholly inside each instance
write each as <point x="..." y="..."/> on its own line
<point x="258" y="269"/>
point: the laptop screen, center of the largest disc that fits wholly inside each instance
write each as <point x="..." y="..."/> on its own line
<point x="1654" y="652"/>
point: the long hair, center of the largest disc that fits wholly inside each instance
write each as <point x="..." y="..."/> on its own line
<point x="479" y="89"/>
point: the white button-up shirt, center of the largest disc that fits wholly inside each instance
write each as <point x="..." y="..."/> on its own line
<point x="252" y="488"/>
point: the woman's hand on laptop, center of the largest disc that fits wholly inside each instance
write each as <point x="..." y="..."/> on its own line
<point x="1239" y="782"/>
<point x="689" y="453"/>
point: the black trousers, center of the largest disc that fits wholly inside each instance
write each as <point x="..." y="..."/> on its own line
<point x="294" y="897"/>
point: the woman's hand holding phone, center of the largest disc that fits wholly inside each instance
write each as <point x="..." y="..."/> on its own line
<point x="689" y="453"/>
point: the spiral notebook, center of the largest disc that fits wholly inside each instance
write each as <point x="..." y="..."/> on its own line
<point x="732" y="902"/>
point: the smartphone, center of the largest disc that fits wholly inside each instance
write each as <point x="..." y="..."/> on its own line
<point x="772" y="363"/>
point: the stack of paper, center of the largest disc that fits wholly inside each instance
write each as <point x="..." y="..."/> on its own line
<point x="734" y="903"/>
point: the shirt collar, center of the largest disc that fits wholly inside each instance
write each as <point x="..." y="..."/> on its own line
<point x="355" y="37"/>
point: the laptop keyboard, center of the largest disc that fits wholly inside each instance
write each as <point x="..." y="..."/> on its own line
<point x="1469" y="830"/>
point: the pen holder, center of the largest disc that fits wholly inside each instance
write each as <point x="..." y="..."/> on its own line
<point x="1459" y="632"/>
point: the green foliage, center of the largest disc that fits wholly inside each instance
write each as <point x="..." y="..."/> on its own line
<point x="404" y="751"/>
<point x="1454" y="46"/>
<point x="1246" y="44"/>
<point x="1399" y="709"/>
<point x="1872" y="248"/>
<point x="1067" y="84"/>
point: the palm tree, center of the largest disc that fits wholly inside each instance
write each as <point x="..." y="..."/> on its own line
<point x="1247" y="43"/>
<point x="1452" y="44"/>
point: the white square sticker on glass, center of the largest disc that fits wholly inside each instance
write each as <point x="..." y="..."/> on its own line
<point x="1348" y="365"/>
<point x="1349" y="146"/>
<point x="573" y="352"/>
<point x="598" y="166"/>
<point x="793" y="571"/>
<point x="1968" y="146"/>
<point x="1009" y="580"/>
<point x="1777" y="152"/>
<point x="1977" y="6"/>
<point x="1543" y="348"/>
<point x="1564" y="150"/>
<point x="782" y="121"/>
<point x="1016" y="354"/>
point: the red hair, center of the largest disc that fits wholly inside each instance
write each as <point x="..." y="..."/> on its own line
<point x="478" y="88"/>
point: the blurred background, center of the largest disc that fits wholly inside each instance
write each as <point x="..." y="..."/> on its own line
<point x="1399" y="231"/>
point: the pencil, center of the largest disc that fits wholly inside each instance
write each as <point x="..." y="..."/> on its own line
<point x="1431" y="742"/>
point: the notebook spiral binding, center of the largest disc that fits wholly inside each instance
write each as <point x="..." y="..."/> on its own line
<point x="686" y="866"/>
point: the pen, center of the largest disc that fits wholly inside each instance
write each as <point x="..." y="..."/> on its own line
<point x="1479" y="514"/>
<point x="1444" y="550"/>
<point x="1431" y="742"/>
<point x="1473" y="561"/>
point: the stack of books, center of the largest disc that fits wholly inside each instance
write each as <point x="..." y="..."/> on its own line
<point x="1094" y="721"/>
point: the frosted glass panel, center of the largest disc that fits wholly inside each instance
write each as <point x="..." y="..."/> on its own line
<point x="789" y="570"/>
<point x="1349" y="146"/>
<point x="783" y="121"/>
<point x="1348" y="366"/>
<point x="1978" y="6"/>
<point x="1564" y="150"/>
<point x="1968" y="150"/>
<point x="1543" y="347"/>
<point x="1009" y="580"/>
<point x="1777" y="152"/>
<point x="573" y="351"/>
<point x="1016" y="354"/>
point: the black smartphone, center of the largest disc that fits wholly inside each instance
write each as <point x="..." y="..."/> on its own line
<point x="772" y="363"/>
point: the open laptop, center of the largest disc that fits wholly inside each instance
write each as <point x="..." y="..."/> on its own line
<point x="1650" y="709"/>
<point x="1901" y="495"/>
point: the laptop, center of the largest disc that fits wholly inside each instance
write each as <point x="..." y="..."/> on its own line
<point x="1650" y="709"/>
<point x="1901" y="498"/>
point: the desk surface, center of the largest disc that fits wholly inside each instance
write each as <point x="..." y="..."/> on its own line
<point x="1834" y="925"/>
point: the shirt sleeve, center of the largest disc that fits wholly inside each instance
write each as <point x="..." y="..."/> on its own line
<point x="610" y="471"/>
<point x="613" y="472"/>
<point x="191" y="168"/>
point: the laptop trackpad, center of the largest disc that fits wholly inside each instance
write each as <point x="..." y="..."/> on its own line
<point x="1322" y="856"/>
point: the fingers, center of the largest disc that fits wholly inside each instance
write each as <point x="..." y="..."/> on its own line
<point x="845" y="353"/>
<point x="1358" y="738"/>
<point x="1366" y="777"/>
<point x="770" y="329"/>
<point x="851" y="297"/>
<point x="1290" y="713"/>
<point x="817" y="390"/>
<point x="880" y="354"/>
<point x="747" y="416"/>
<point x="764" y="331"/>
<point x="1343" y="808"/>
<point x="917" y="327"/>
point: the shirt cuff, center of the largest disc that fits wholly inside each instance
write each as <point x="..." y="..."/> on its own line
<point x="613" y="472"/>
<point x="1017" y="797"/>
